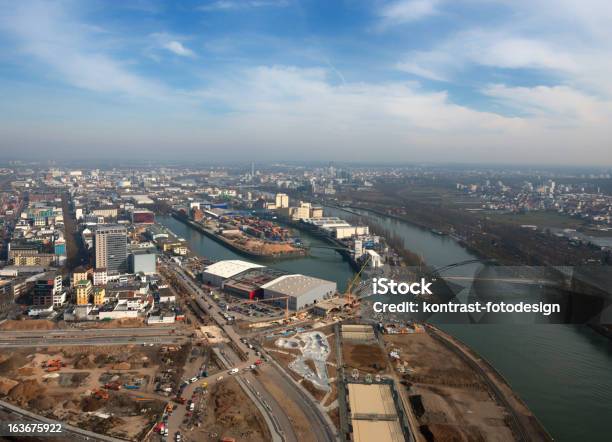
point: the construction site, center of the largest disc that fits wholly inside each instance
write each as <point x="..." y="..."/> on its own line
<point x="453" y="394"/>
<point x="109" y="390"/>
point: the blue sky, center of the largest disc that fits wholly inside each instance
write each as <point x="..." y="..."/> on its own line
<point x="396" y="80"/>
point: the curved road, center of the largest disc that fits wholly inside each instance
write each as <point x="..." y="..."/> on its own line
<point x="321" y="428"/>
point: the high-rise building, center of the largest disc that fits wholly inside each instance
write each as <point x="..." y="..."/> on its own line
<point x="111" y="248"/>
<point x="282" y="200"/>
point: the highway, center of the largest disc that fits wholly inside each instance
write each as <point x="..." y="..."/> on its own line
<point x="322" y="428"/>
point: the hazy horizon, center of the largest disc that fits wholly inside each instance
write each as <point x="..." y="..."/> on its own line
<point x="376" y="81"/>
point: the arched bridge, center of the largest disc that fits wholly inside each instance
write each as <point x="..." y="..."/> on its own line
<point x="439" y="270"/>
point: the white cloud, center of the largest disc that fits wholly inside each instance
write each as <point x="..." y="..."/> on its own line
<point x="279" y="106"/>
<point x="487" y="48"/>
<point x="291" y="112"/>
<point x="169" y="42"/>
<point x="558" y="105"/>
<point x="48" y="32"/>
<point x="178" y="48"/>
<point x="568" y="41"/>
<point x="234" y="5"/>
<point x="284" y="91"/>
<point x="405" y="11"/>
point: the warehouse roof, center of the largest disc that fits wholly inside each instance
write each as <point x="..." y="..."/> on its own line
<point x="295" y="285"/>
<point x="229" y="268"/>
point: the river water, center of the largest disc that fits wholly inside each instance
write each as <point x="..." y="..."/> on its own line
<point x="562" y="372"/>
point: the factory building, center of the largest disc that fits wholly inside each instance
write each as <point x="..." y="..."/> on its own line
<point x="302" y="290"/>
<point x="216" y="274"/>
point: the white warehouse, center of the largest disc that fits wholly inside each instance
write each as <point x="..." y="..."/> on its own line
<point x="303" y="291"/>
<point x="215" y="274"/>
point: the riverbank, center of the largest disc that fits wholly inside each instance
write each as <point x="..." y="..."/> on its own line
<point x="252" y="254"/>
<point x="377" y="212"/>
<point x="562" y="372"/>
<point x="523" y="423"/>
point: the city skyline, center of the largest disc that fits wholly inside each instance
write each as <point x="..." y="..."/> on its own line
<point x="471" y="81"/>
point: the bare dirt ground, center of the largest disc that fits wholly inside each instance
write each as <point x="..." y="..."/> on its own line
<point x="26" y="325"/>
<point x="69" y="394"/>
<point x="448" y="398"/>
<point x="115" y="323"/>
<point x="367" y="358"/>
<point x="229" y="413"/>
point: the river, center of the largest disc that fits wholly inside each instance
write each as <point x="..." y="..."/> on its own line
<point x="562" y="372"/>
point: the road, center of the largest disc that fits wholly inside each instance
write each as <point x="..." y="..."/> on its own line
<point x="322" y="428"/>
<point x="231" y="359"/>
<point x="101" y="336"/>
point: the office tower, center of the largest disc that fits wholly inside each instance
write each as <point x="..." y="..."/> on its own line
<point x="111" y="248"/>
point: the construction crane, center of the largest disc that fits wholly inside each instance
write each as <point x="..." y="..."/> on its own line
<point x="286" y="298"/>
<point x="349" y="288"/>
